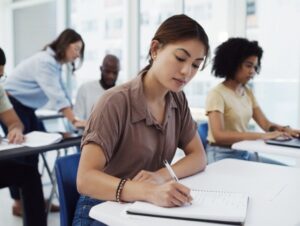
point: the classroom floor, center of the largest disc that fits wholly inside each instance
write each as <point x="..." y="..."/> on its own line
<point x="6" y="217"/>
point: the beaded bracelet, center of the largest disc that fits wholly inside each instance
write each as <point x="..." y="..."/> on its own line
<point x="120" y="189"/>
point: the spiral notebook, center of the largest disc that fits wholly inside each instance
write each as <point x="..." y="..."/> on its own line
<point x="210" y="206"/>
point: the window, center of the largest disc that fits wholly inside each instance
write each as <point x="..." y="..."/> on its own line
<point x="277" y="87"/>
<point x="151" y="19"/>
<point x="213" y="15"/>
<point x="101" y="24"/>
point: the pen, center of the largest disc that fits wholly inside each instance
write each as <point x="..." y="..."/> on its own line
<point x="170" y="170"/>
<point x="173" y="175"/>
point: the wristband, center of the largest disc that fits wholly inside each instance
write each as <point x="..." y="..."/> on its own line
<point x="120" y="189"/>
<point x="274" y="128"/>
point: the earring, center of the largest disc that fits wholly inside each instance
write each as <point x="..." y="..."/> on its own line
<point x="154" y="56"/>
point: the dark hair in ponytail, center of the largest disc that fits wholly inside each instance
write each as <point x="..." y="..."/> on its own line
<point x="177" y="28"/>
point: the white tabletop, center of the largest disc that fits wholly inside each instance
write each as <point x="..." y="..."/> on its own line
<point x="260" y="146"/>
<point x="273" y="191"/>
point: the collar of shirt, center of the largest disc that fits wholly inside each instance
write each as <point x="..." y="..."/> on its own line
<point x="139" y="106"/>
<point x="50" y="51"/>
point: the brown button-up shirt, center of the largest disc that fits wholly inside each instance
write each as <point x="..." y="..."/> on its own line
<point x="130" y="138"/>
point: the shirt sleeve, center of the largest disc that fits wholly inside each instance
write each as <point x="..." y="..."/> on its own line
<point x="188" y="125"/>
<point x="49" y="79"/>
<point x="214" y="102"/>
<point x="4" y="101"/>
<point x="105" y="124"/>
<point x="252" y="98"/>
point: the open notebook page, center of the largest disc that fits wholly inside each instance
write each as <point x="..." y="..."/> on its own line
<point x="215" y="206"/>
<point x="33" y="139"/>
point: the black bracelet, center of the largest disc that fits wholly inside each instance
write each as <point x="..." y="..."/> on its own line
<point x="120" y="189"/>
<point x="274" y="128"/>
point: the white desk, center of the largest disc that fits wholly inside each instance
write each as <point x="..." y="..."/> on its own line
<point x="260" y="146"/>
<point x="273" y="190"/>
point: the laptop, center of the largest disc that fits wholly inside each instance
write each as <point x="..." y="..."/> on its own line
<point x="291" y="142"/>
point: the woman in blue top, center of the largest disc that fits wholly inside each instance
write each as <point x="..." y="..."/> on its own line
<point x="38" y="80"/>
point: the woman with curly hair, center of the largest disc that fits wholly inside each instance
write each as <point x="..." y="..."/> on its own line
<point x="231" y="104"/>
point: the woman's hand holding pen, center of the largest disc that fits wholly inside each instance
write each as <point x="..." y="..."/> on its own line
<point x="161" y="191"/>
<point x="169" y="194"/>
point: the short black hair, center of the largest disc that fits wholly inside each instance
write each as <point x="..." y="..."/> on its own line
<point x="2" y="58"/>
<point x="231" y="54"/>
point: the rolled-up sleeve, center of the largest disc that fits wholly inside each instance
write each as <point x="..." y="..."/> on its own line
<point x="4" y="102"/>
<point x="105" y="124"/>
<point x="214" y="102"/>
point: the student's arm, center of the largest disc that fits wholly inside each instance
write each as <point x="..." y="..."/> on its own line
<point x="92" y="181"/>
<point x="268" y="126"/>
<point x="224" y="137"/>
<point x="194" y="161"/>
<point x="68" y="113"/>
<point x="262" y="120"/>
<point x="14" y="126"/>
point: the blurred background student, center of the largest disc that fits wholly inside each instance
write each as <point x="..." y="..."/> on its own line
<point x="36" y="81"/>
<point x="89" y="92"/>
<point x="23" y="176"/>
<point x="231" y="104"/>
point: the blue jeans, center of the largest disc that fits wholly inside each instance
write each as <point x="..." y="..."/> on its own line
<point x="216" y="153"/>
<point x="81" y="216"/>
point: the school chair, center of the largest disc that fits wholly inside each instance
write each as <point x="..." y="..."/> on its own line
<point x="203" y="131"/>
<point x="66" y="172"/>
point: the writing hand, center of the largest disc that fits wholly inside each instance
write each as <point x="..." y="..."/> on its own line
<point x="170" y="194"/>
